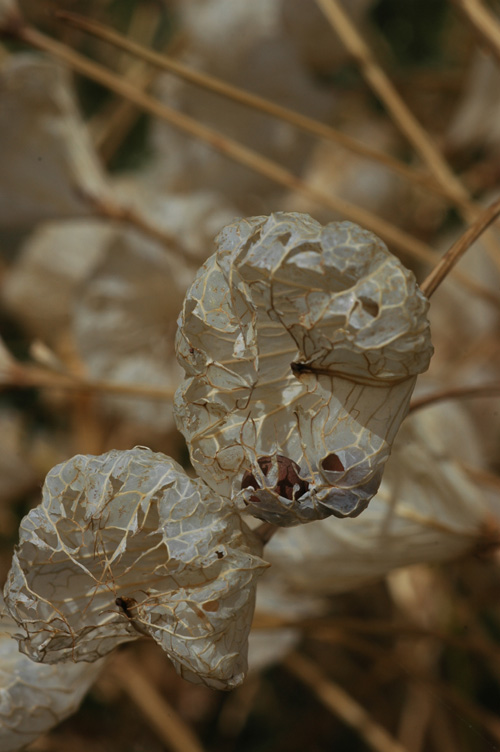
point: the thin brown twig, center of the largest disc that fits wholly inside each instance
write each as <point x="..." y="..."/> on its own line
<point x="385" y="90"/>
<point x="239" y="153"/>
<point x="172" y="730"/>
<point x="457" y="250"/>
<point x="320" y="629"/>
<point x="220" y="87"/>
<point x="342" y="704"/>
<point x="228" y="147"/>
<point x="402" y="116"/>
<point x="312" y="674"/>
<point x="442" y="731"/>
<point x="489" y="721"/>
<point x="415" y="717"/>
<point x="127" y="215"/>
<point x="23" y="377"/>
<point x="485" y="23"/>
<point x="460" y="392"/>
<point x="111" y="124"/>
<point x="484" y="477"/>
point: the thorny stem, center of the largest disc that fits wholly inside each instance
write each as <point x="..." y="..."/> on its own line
<point x="457" y="250"/>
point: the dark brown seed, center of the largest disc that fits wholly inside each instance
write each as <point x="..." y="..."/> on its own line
<point x="288" y="477"/>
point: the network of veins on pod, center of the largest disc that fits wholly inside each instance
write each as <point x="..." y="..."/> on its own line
<point x="301" y="345"/>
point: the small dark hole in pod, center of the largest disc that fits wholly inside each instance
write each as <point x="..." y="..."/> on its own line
<point x="370" y="306"/>
<point x="331" y="463"/>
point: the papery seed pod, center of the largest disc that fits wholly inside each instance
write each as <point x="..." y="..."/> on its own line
<point x="33" y="696"/>
<point x="301" y="344"/>
<point x="126" y="544"/>
<point x="49" y="166"/>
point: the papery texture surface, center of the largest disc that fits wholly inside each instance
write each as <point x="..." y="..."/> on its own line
<point x="125" y="544"/>
<point x="33" y="696"/>
<point x="301" y="346"/>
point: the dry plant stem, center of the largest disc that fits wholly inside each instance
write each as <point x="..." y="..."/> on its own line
<point x="401" y="115"/>
<point x="464" y="392"/>
<point x="457" y="250"/>
<point x="484" y="718"/>
<point x="129" y="216"/>
<point x="383" y="87"/>
<point x="438" y="689"/>
<point x="415" y="718"/>
<point x="114" y="121"/>
<point x="481" y="476"/>
<point x="486" y="24"/>
<point x="400" y="239"/>
<point x="111" y="125"/>
<point x="23" y="377"/>
<point x="321" y="630"/>
<point x="230" y="148"/>
<point x="265" y="531"/>
<point x="358" y="645"/>
<point x="170" y="727"/>
<point x="216" y="85"/>
<point x="442" y="731"/>
<point x="342" y="705"/>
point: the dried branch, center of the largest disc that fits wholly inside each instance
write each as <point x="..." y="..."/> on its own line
<point x="171" y="729"/>
<point x="19" y="376"/>
<point x="460" y="392"/>
<point x="457" y="250"/>
<point x="127" y="215"/>
<point x="253" y="160"/>
<point x="485" y="23"/>
<point x="402" y="116"/>
<point x="218" y="86"/>
<point x="226" y="146"/>
<point x="342" y="705"/>
<point x="382" y="86"/>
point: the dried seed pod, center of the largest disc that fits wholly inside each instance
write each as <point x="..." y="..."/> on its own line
<point x="127" y="544"/>
<point x="34" y="696"/>
<point x="49" y="166"/>
<point x="300" y="343"/>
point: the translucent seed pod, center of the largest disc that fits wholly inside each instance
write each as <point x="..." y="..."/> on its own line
<point x="34" y="696"/>
<point x="126" y="544"/>
<point x="301" y="346"/>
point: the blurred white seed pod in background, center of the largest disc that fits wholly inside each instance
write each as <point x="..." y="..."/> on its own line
<point x="263" y="60"/>
<point x="126" y="544"/>
<point x="34" y="697"/>
<point x="301" y="346"/>
<point x="39" y="287"/>
<point x="49" y="148"/>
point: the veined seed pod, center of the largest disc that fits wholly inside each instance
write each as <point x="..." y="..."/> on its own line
<point x="126" y="544"/>
<point x="301" y="346"/>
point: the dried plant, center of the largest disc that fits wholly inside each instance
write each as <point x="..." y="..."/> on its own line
<point x="320" y="499"/>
